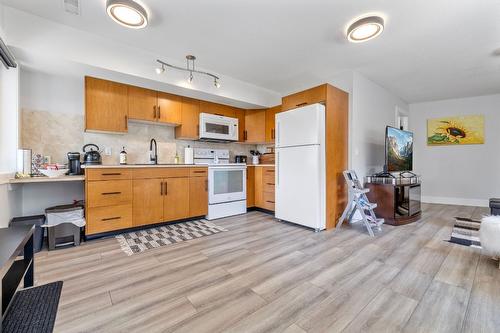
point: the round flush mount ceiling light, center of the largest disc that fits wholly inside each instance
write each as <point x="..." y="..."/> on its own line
<point x="365" y="29"/>
<point x="127" y="13"/>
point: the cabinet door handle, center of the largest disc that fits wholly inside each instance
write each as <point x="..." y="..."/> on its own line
<point x="206" y="185"/>
<point x="111" y="193"/>
<point x="112" y="174"/>
<point x="270" y="184"/>
<point x="199" y="171"/>
<point x="159" y="112"/>
<point x="111" y="218"/>
<point x="301" y="104"/>
<point x="245" y="135"/>
<point x="270" y="201"/>
<point x="126" y="123"/>
<point x="166" y="188"/>
<point x="161" y="188"/>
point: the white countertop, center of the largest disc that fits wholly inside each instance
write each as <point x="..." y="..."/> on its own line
<point x="44" y="179"/>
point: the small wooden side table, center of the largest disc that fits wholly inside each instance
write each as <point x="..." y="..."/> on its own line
<point x="14" y="242"/>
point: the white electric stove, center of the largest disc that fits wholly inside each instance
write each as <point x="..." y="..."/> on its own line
<point x="227" y="186"/>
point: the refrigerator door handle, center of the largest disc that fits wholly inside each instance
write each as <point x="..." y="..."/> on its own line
<point x="277" y="169"/>
<point x="277" y="139"/>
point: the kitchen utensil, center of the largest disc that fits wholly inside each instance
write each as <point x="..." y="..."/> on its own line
<point x="74" y="163"/>
<point x="255" y="159"/>
<point x="91" y="156"/>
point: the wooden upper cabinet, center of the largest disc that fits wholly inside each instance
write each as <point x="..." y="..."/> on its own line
<point x="255" y="126"/>
<point x="169" y="108"/>
<point x="142" y="104"/>
<point x="151" y="105"/>
<point x="270" y="123"/>
<point x="190" y="120"/>
<point x="218" y="109"/>
<point x="240" y="114"/>
<point x="106" y="107"/>
<point x="306" y="97"/>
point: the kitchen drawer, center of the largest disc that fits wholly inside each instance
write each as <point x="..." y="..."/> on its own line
<point x="103" y="219"/>
<point x="155" y="172"/>
<point x="108" y="174"/>
<point x="198" y="172"/>
<point x="306" y="97"/>
<point x="269" y="187"/>
<point x="268" y="201"/>
<point x="269" y="175"/>
<point x="109" y="193"/>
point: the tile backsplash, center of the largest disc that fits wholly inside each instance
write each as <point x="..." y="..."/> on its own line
<point x="55" y="134"/>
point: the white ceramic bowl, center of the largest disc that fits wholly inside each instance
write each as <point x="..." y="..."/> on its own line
<point x="53" y="173"/>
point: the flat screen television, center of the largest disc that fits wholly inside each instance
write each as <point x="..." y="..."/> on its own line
<point x="398" y="150"/>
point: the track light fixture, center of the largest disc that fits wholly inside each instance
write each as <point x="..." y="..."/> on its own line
<point x="160" y="70"/>
<point x="190" y="68"/>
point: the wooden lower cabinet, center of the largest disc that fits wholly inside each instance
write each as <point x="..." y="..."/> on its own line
<point x="175" y="199"/>
<point x="109" y="193"/>
<point x="263" y="187"/>
<point x="198" y="196"/>
<point x="152" y="195"/>
<point x="250" y="186"/>
<point x="105" y="219"/>
<point x="148" y="201"/>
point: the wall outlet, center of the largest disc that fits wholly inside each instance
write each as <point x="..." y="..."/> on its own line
<point x="107" y="151"/>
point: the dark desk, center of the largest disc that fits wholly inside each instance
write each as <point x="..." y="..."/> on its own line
<point x="12" y="270"/>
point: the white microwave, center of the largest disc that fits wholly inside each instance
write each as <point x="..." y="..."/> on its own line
<point x="218" y="128"/>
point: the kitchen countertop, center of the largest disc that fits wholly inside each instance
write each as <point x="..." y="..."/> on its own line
<point x="44" y="179"/>
<point x="261" y="165"/>
<point x="145" y="166"/>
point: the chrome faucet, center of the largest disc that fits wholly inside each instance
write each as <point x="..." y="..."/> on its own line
<point x="153" y="155"/>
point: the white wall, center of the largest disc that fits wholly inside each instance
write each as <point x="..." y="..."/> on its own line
<point x="10" y="196"/>
<point x="465" y="175"/>
<point x="372" y="109"/>
<point x="43" y="92"/>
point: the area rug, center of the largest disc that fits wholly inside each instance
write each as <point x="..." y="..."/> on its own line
<point x="33" y="309"/>
<point x="466" y="232"/>
<point x="140" y="241"/>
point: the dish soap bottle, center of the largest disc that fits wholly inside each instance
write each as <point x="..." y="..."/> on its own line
<point x="123" y="156"/>
<point x="176" y="158"/>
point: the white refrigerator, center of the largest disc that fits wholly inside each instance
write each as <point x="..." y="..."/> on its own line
<point x="300" y="166"/>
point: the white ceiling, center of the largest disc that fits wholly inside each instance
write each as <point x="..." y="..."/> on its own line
<point x="429" y="50"/>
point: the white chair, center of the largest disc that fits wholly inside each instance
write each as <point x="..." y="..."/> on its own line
<point x="489" y="234"/>
<point x="359" y="202"/>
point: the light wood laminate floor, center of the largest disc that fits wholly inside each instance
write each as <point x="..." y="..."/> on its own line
<point x="267" y="276"/>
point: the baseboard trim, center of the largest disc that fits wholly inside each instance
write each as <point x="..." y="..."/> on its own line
<point x="456" y="201"/>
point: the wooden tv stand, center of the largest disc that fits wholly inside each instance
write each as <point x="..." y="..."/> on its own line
<point x="398" y="200"/>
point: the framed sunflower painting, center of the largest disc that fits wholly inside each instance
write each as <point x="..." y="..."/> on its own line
<point x="464" y="130"/>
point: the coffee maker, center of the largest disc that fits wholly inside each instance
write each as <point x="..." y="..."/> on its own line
<point x="74" y="164"/>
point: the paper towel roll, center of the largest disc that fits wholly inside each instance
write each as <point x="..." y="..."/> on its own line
<point x="188" y="155"/>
